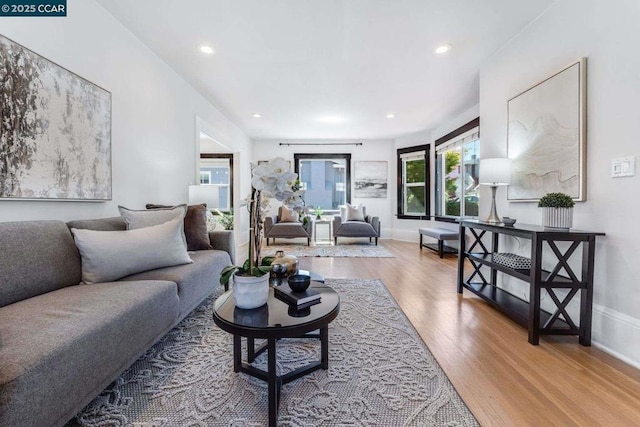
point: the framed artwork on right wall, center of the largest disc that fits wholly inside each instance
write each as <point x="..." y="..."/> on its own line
<point x="547" y="137"/>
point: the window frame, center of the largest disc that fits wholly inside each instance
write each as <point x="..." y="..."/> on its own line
<point x="320" y="156"/>
<point x="230" y="185"/>
<point x="475" y="123"/>
<point x="401" y="184"/>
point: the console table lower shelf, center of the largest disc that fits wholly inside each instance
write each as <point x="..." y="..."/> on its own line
<point x="517" y="308"/>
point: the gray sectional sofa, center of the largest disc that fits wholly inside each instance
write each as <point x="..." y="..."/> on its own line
<point x="61" y="342"/>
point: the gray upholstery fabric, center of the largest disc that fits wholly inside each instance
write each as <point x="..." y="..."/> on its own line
<point x="370" y="228"/>
<point x="440" y="233"/>
<point x="147" y="218"/>
<point x="35" y="257"/>
<point x="195" y="281"/>
<point x="274" y="228"/>
<point x="223" y="240"/>
<point x="115" y="223"/>
<point x="60" y="349"/>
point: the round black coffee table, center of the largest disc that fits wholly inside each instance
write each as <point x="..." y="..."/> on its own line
<point x="273" y="321"/>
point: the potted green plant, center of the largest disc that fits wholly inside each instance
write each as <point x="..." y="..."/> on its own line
<point x="318" y="211"/>
<point x="251" y="279"/>
<point x="225" y="219"/>
<point x="558" y="210"/>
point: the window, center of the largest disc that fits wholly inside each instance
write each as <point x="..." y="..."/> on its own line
<point x="457" y="172"/>
<point x="216" y="170"/>
<point x="205" y="177"/>
<point x="326" y="179"/>
<point x="413" y="182"/>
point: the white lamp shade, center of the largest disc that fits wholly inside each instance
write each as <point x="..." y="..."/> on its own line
<point x="204" y="194"/>
<point x="496" y="171"/>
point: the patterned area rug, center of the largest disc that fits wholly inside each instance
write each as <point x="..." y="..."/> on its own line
<point x="380" y="374"/>
<point x="343" y="250"/>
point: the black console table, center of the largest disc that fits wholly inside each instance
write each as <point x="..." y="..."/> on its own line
<point x="529" y="314"/>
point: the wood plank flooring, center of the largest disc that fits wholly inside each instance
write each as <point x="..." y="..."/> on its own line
<point x="504" y="380"/>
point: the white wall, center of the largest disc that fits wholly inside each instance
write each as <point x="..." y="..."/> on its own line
<point x="407" y="229"/>
<point x="381" y="150"/>
<point x="606" y="33"/>
<point x="153" y="111"/>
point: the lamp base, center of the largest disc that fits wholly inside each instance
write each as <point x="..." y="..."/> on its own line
<point x="493" y="217"/>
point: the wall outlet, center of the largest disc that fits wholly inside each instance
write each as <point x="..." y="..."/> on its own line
<point x="624" y="166"/>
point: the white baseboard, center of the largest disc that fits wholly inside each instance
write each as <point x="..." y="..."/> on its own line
<point x="615" y="330"/>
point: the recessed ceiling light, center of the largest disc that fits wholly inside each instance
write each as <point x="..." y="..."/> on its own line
<point x="390" y="116"/>
<point x="330" y="119"/>
<point x="207" y="49"/>
<point x="256" y="115"/>
<point x="443" y="49"/>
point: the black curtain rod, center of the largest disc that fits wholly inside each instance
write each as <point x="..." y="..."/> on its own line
<point x="289" y="144"/>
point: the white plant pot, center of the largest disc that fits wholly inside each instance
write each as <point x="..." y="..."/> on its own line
<point x="250" y="291"/>
<point x="557" y="218"/>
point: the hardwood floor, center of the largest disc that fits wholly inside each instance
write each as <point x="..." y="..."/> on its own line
<point x="504" y="380"/>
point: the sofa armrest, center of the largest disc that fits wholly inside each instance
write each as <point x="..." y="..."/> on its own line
<point x="337" y="223"/>
<point x="223" y="240"/>
<point x="269" y="222"/>
<point x="375" y="223"/>
<point x="308" y="227"/>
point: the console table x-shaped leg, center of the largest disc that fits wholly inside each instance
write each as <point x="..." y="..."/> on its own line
<point x="275" y="381"/>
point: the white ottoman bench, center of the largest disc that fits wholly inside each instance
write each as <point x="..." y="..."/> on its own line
<point x="441" y="234"/>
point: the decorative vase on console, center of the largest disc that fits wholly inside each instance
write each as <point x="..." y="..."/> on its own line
<point x="557" y="210"/>
<point x="251" y="280"/>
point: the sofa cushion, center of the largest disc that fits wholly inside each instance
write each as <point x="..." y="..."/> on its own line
<point x="36" y="257"/>
<point x="110" y="255"/>
<point x="287" y="229"/>
<point x="195" y="281"/>
<point x="195" y="226"/>
<point x="60" y="349"/>
<point x="356" y="229"/>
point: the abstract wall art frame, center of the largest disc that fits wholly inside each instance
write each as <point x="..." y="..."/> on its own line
<point x="547" y="137"/>
<point x="370" y="179"/>
<point x="55" y="131"/>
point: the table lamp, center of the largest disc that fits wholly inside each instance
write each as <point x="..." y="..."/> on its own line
<point x="494" y="172"/>
<point x="204" y="194"/>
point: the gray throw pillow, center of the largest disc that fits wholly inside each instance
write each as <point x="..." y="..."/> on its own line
<point x="146" y="218"/>
<point x="111" y="255"/>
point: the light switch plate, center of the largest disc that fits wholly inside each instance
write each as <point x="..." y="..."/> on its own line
<point x="623" y="166"/>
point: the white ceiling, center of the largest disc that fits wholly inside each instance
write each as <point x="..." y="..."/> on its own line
<point x="295" y="61"/>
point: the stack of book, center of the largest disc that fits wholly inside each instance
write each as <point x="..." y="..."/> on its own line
<point x="297" y="300"/>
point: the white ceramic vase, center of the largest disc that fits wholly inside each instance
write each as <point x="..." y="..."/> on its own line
<point x="249" y="291"/>
<point x="561" y="218"/>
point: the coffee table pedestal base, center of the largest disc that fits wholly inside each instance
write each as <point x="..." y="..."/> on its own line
<point x="274" y="381"/>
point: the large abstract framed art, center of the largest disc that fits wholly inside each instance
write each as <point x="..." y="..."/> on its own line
<point x="547" y="137"/>
<point x="55" y="130"/>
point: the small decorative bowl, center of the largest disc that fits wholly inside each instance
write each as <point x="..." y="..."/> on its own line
<point x="299" y="282"/>
<point x="508" y="221"/>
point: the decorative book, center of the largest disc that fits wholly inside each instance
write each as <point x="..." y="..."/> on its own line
<point x="298" y="299"/>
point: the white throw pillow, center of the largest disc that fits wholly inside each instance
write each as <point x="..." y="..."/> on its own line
<point x="355" y="213"/>
<point x="111" y="255"/>
<point x="288" y="215"/>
